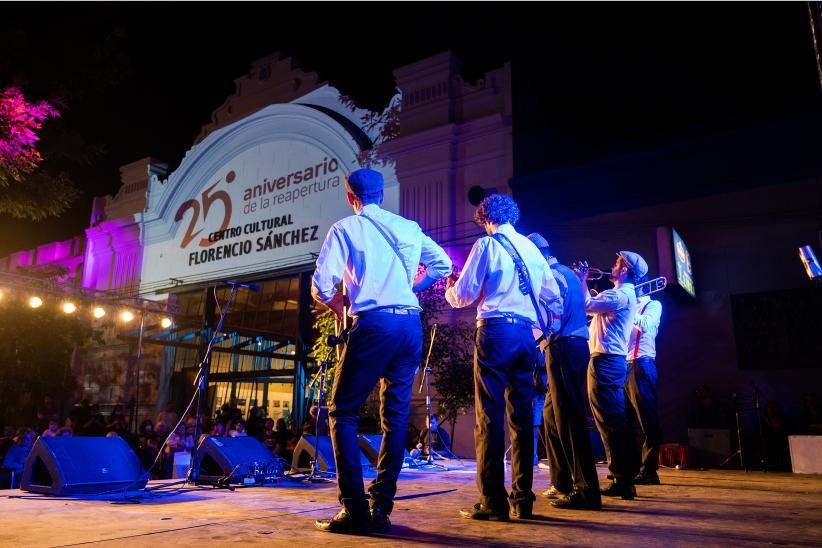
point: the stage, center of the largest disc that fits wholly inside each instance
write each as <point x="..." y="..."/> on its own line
<point x="706" y="508"/>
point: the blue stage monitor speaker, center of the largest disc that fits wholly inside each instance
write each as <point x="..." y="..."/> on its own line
<point x="80" y="465"/>
<point x="370" y="447"/>
<point x="229" y="458"/>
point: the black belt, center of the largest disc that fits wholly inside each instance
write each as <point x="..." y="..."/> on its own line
<point x="391" y="310"/>
<point x="505" y="319"/>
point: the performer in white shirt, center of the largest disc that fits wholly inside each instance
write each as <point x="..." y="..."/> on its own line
<point x="640" y="388"/>
<point x="613" y="313"/>
<point x="375" y="255"/>
<point x="505" y="355"/>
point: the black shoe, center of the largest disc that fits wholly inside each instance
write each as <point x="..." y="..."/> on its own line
<point x="478" y="511"/>
<point x="649" y="478"/>
<point x="578" y="501"/>
<point x="522" y="510"/>
<point x="624" y="490"/>
<point x="379" y="520"/>
<point x="346" y="523"/>
<point x="554" y="493"/>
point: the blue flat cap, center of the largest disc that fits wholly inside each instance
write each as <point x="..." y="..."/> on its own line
<point x="364" y="182"/>
<point x="635" y="262"/>
<point x="537" y="239"/>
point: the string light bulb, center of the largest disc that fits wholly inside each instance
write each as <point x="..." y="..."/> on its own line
<point x="69" y="307"/>
<point x="126" y="316"/>
<point x="35" y="302"/>
<point x="99" y="312"/>
<point x="165" y="323"/>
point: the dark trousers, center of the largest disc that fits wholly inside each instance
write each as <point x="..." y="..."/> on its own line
<point x="381" y="347"/>
<point x="640" y="393"/>
<point x="570" y="455"/>
<point x="504" y="360"/>
<point x="606" y="391"/>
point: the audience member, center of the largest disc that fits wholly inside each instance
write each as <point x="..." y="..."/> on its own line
<point x="15" y="457"/>
<point x="51" y="431"/>
<point x="169" y="416"/>
<point x="46" y="412"/>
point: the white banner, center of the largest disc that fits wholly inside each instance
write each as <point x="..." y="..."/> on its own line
<point x="266" y="208"/>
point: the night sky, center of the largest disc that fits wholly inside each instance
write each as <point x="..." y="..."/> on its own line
<point x="140" y="80"/>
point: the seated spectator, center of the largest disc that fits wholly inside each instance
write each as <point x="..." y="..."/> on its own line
<point x="51" y="431"/>
<point x="46" y="412"/>
<point x="65" y="431"/>
<point x="96" y="425"/>
<point x="440" y="440"/>
<point x="161" y="431"/>
<point x="16" y="456"/>
<point x="218" y="430"/>
<point x="147" y="444"/>
<point x="268" y="436"/>
<point x="79" y="415"/>
<point x="239" y="430"/>
<point x="169" y="416"/>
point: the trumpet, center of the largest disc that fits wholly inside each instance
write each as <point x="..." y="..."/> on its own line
<point x="593" y="273"/>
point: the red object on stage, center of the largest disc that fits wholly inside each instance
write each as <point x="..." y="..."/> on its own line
<point x="673" y="454"/>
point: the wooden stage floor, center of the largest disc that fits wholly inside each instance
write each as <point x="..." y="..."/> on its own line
<point x="705" y="508"/>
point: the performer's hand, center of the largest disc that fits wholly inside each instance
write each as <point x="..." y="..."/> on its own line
<point x="450" y="280"/>
<point x="337" y="304"/>
<point x="582" y="270"/>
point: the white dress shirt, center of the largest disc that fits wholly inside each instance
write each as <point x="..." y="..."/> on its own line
<point x="613" y="311"/>
<point x="355" y="253"/>
<point x="489" y="275"/>
<point x="646" y="326"/>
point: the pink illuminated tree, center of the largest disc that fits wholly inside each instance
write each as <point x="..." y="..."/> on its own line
<point x="28" y="192"/>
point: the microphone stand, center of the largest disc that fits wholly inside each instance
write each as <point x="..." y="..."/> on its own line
<point x="316" y="476"/>
<point x="739" y="452"/>
<point x="202" y="381"/>
<point x="763" y="459"/>
<point x="426" y="380"/>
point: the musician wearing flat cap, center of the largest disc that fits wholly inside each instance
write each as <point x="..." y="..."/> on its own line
<point x="374" y="254"/>
<point x="640" y="388"/>
<point x="575" y="485"/>
<point x="613" y="312"/>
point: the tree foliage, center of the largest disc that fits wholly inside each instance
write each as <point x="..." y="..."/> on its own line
<point x="35" y="352"/>
<point x="27" y="191"/>
<point x="452" y="358"/>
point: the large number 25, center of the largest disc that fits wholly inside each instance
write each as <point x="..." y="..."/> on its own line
<point x="208" y="200"/>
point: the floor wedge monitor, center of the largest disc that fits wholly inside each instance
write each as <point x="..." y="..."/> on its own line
<point x="64" y="465"/>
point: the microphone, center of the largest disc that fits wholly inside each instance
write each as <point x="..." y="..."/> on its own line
<point x="250" y="287"/>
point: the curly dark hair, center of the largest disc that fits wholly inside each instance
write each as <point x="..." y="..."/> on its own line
<point x="498" y="209"/>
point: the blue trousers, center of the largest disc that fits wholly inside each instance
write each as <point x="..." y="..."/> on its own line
<point x="570" y="454"/>
<point x="606" y="392"/>
<point x="386" y="348"/>
<point x="504" y="359"/>
<point x="640" y="393"/>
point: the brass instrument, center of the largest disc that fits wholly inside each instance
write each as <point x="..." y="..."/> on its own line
<point x="593" y="273"/>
